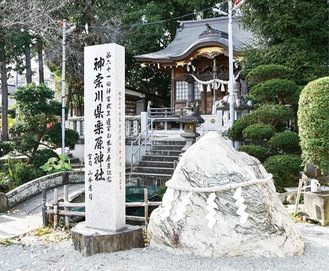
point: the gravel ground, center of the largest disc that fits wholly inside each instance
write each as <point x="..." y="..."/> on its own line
<point x="55" y="252"/>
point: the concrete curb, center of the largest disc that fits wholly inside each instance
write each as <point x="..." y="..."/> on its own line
<point x="27" y="190"/>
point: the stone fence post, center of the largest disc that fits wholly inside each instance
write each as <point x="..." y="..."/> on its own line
<point x="3" y="202"/>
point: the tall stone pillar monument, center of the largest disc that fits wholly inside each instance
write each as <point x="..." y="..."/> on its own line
<point x="104" y="85"/>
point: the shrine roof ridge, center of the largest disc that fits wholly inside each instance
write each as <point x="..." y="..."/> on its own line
<point x="189" y="37"/>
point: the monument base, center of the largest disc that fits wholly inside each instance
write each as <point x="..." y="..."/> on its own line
<point x="90" y="241"/>
<point x="317" y="206"/>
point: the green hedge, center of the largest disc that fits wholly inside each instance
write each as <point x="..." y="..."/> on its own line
<point x="258" y="132"/>
<point x="235" y="132"/>
<point x="41" y="157"/>
<point x="313" y="122"/>
<point x="5" y="148"/>
<point x="285" y="142"/>
<point x="275" y="90"/>
<point x="260" y="152"/>
<point x="272" y="114"/>
<point x="285" y="169"/>
<point x="54" y="136"/>
<point x="266" y="72"/>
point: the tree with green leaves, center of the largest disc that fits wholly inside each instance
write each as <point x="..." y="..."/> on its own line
<point x="290" y="33"/>
<point x="313" y="116"/>
<point x="20" y="22"/>
<point x="266" y="133"/>
<point x="38" y="112"/>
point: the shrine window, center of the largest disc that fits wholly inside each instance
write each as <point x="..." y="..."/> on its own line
<point x="181" y="90"/>
<point x="197" y="91"/>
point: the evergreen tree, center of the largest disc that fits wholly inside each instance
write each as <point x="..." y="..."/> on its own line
<point x="291" y="33"/>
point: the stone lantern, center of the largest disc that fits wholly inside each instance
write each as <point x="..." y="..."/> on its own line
<point x="192" y="118"/>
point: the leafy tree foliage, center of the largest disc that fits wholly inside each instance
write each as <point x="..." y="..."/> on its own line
<point x="266" y="72"/>
<point x="20" y="23"/>
<point x="268" y="127"/>
<point x="261" y="152"/>
<point x="313" y="116"/>
<point x="291" y="33"/>
<point x="274" y="114"/>
<point x="274" y="89"/>
<point x="36" y="109"/>
<point x="285" y="169"/>
<point x="285" y="142"/>
<point x="258" y="132"/>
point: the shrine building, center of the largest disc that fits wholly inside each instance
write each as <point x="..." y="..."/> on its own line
<point x="199" y="54"/>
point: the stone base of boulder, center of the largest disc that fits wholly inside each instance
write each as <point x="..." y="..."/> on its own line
<point x="90" y="241"/>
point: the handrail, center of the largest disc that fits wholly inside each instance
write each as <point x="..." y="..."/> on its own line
<point x="166" y="112"/>
<point x="140" y="145"/>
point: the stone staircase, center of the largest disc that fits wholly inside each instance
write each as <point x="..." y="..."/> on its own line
<point x="75" y="162"/>
<point x="158" y="164"/>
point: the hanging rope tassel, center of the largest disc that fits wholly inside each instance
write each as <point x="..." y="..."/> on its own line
<point x="222" y="88"/>
<point x="182" y="207"/>
<point x="239" y="202"/>
<point x="211" y="205"/>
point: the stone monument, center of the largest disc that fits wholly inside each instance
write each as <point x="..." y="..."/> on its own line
<point x="222" y="202"/>
<point x="105" y="229"/>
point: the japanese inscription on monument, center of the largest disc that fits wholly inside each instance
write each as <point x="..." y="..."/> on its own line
<point x="104" y="136"/>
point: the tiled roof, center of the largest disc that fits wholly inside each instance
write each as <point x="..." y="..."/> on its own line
<point x="188" y="37"/>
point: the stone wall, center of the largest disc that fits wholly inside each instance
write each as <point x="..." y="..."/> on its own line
<point x="34" y="187"/>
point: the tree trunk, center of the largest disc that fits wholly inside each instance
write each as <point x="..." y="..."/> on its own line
<point x="40" y="61"/>
<point x="4" y="100"/>
<point x="28" y="63"/>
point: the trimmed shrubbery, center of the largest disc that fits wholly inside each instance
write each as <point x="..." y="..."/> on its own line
<point x="313" y="121"/>
<point x="258" y="132"/>
<point x="268" y="129"/>
<point x="285" y="142"/>
<point x="285" y="168"/>
<point x="260" y="152"/>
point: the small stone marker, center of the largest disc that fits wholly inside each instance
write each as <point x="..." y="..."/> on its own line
<point x="221" y="202"/>
<point x="105" y="154"/>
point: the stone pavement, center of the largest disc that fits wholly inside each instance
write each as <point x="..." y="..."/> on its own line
<point x="12" y="225"/>
<point x="27" y="216"/>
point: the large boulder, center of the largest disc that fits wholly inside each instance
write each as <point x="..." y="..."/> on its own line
<point x="222" y="202"/>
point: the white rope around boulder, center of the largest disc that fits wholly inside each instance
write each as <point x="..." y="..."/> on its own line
<point x="211" y="205"/>
<point x="221" y="188"/>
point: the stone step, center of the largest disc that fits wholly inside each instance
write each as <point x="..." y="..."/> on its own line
<point x="167" y="147"/>
<point x="168" y="142"/>
<point x="162" y="164"/>
<point x="164" y="152"/>
<point x="154" y="170"/>
<point x="162" y="175"/>
<point x="159" y="161"/>
<point x="151" y="157"/>
<point x="74" y="160"/>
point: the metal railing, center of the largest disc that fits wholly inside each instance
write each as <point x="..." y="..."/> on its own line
<point x="141" y="141"/>
<point x="166" y="112"/>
